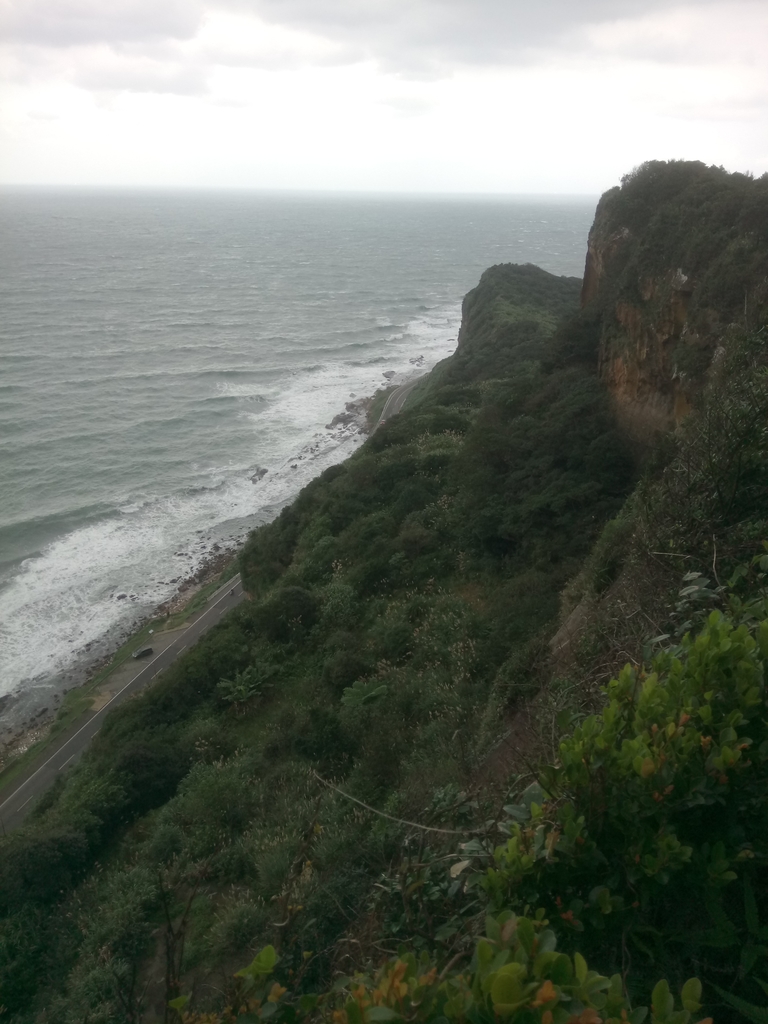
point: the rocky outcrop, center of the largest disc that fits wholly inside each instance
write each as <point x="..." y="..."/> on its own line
<point x="677" y="262"/>
<point x="639" y="360"/>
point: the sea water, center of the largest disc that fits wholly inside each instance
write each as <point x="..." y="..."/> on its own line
<point x="160" y="350"/>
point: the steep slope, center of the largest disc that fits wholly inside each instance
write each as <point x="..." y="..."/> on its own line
<point x="264" y="792"/>
<point x="397" y="609"/>
<point x="677" y="260"/>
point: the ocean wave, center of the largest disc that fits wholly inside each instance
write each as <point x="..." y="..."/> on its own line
<point x="183" y="372"/>
<point x="69" y="597"/>
<point x="234" y="390"/>
<point x="64" y="600"/>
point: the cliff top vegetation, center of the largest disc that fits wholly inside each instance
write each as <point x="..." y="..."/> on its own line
<point x="680" y="225"/>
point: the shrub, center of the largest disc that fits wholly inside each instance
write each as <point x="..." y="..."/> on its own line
<point x="342" y="668"/>
<point x="321" y="737"/>
<point x="150" y="773"/>
<point x="287" y="615"/>
<point x="517" y="975"/>
<point x="663" y="796"/>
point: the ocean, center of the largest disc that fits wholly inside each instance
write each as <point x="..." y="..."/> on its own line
<point x="159" y="350"/>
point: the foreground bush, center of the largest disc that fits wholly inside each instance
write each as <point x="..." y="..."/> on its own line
<point x="516" y="975"/>
<point x="649" y="840"/>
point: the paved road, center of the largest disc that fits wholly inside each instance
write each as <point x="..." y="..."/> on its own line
<point x="26" y="789"/>
<point x="396" y="401"/>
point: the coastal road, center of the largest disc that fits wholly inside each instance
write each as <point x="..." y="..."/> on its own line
<point x="24" y="791"/>
<point x="396" y="401"/>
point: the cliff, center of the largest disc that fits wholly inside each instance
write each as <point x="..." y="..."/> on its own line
<point x="397" y="606"/>
<point x="342" y="768"/>
<point x="677" y="263"/>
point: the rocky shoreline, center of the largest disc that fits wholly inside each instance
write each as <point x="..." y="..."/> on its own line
<point x="17" y="738"/>
<point x="15" y="741"/>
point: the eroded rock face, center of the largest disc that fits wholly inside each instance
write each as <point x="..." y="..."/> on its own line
<point x="600" y="251"/>
<point x="669" y="297"/>
<point x="639" y="363"/>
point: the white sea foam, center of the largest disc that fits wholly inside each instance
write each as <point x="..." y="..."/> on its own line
<point x="99" y="579"/>
<point x="161" y="352"/>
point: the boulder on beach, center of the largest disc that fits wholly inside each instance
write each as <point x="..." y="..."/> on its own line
<point x="341" y="419"/>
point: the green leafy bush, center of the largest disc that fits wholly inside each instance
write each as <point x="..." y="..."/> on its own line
<point x="516" y="975"/>
<point x="662" y="797"/>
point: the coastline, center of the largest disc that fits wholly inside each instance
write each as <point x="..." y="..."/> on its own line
<point x="88" y="677"/>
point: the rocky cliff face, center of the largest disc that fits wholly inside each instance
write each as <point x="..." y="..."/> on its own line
<point x="677" y="264"/>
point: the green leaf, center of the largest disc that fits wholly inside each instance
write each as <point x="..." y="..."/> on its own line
<point x="526" y="934"/>
<point x="716" y="938"/>
<point x="454" y="1007"/>
<point x="750" y="909"/>
<point x="352" y="1011"/>
<point x="262" y="964"/>
<point x="179" y="1003"/>
<point x="757" y="1014"/>
<point x="534" y="794"/>
<point x="662" y="1000"/>
<point x="594" y="983"/>
<point x="561" y="971"/>
<point x="507" y="989"/>
<point x="517" y="812"/>
<point x="749" y="955"/>
<point x="762" y="640"/>
<point x="485" y="954"/>
<point x="691" y="995"/>
<point x="581" y="967"/>
<point x="543" y="962"/>
<point x="547" y="941"/>
<point x="381" y="1013"/>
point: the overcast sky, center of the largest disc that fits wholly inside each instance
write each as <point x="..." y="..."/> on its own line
<point x="398" y="95"/>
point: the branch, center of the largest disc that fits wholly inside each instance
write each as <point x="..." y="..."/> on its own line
<point x="399" y="821"/>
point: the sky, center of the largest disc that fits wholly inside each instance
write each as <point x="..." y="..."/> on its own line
<point x="478" y="96"/>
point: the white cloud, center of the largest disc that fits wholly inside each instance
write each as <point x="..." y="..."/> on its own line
<point x="401" y="34"/>
<point x="435" y="94"/>
<point x="74" y="22"/>
<point x="105" y="72"/>
<point x="240" y="40"/>
<point x="416" y="35"/>
<point x="733" y="32"/>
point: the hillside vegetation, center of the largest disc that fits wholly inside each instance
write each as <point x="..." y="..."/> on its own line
<point x="376" y="783"/>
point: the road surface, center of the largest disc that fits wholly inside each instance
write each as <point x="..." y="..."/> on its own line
<point x="396" y="400"/>
<point x="23" y="792"/>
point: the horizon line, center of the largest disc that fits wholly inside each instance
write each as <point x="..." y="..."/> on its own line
<point x="276" y="190"/>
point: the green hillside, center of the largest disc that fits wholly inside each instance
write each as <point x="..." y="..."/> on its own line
<point x="380" y="780"/>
